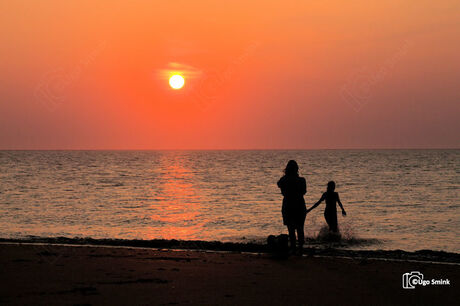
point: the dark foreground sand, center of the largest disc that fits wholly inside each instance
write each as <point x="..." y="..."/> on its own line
<point x="71" y="275"/>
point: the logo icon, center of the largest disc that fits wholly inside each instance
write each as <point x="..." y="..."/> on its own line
<point x="410" y="280"/>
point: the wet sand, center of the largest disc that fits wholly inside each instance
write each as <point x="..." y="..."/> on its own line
<point x="70" y="275"/>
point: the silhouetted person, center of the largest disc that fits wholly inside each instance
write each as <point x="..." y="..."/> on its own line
<point x="294" y="211"/>
<point x="330" y="212"/>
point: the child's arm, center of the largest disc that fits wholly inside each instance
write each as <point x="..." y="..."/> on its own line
<point x="317" y="203"/>
<point x="344" y="213"/>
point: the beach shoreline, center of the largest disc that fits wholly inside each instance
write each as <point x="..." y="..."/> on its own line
<point x="66" y="274"/>
<point x="328" y="250"/>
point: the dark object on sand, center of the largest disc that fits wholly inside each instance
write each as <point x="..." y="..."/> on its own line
<point x="278" y="245"/>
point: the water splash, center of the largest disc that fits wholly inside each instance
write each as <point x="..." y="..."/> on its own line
<point x="345" y="237"/>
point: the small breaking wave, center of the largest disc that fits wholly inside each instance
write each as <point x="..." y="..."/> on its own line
<point x="342" y="239"/>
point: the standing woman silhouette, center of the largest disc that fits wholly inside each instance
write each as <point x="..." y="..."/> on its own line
<point x="293" y="187"/>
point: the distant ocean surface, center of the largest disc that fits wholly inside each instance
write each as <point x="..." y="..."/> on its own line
<point x="395" y="199"/>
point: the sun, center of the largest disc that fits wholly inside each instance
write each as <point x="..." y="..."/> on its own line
<point x="176" y="81"/>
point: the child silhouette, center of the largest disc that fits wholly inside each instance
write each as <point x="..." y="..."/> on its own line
<point x="330" y="212"/>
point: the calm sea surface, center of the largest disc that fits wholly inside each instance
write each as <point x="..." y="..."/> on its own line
<point x="395" y="199"/>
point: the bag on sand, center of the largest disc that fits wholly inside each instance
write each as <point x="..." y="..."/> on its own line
<point x="278" y="244"/>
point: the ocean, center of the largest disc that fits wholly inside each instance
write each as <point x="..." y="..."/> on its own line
<point x="395" y="199"/>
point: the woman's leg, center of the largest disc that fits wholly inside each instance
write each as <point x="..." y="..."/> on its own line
<point x="300" y="232"/>
<point x="300" y="236"/>
<point x="291" y="230"/>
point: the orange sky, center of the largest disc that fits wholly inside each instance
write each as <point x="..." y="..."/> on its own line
<point x="269" y="74"/>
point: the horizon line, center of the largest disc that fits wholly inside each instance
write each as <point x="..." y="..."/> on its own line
<point x="235" y="149"/>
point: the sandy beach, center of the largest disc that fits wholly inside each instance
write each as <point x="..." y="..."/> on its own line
<point x="94" y="275"/>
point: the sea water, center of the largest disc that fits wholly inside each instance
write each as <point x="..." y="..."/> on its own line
<point x="395" y="199"/>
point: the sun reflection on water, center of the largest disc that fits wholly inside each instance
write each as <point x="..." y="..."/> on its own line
<point x="177" y="201"/>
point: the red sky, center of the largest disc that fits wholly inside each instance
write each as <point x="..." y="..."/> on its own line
<point x="259" y="75"/>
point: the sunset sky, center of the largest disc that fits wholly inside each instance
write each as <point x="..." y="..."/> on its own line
<point x="258" y="74"/>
